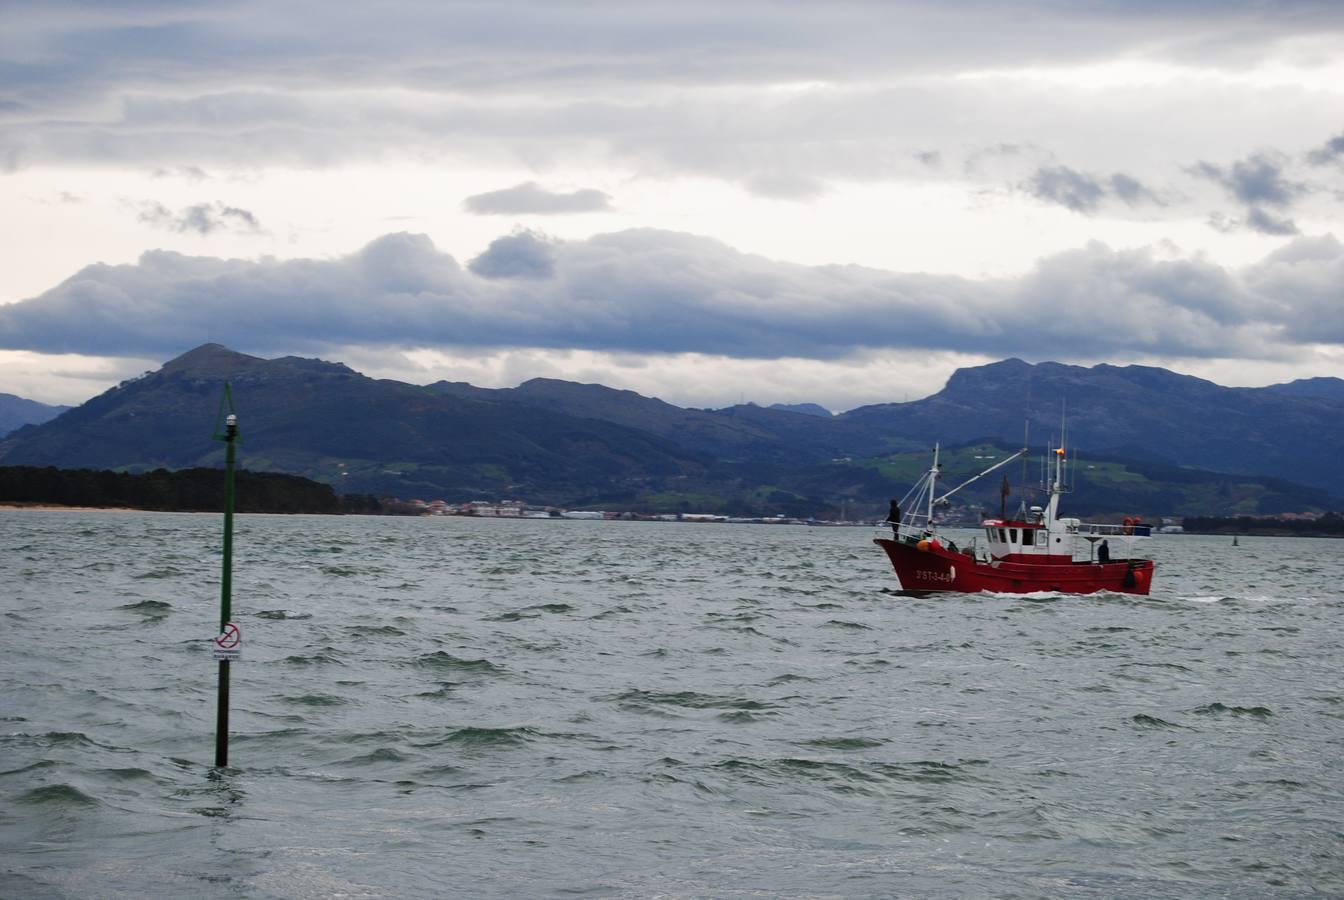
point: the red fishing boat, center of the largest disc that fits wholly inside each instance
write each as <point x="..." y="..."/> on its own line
<point x="1034" y="550"/>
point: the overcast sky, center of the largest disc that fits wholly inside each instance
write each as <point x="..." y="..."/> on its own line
<point x="834" y="202"/>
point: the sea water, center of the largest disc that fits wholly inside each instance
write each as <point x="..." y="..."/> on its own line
<point x="435" y="707"/>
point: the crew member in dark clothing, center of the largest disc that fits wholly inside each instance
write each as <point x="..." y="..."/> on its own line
<point x="894" y="517"/>
<point x="1103" y="552"/>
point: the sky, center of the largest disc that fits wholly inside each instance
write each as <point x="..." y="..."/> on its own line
<point x="777" y="202"/>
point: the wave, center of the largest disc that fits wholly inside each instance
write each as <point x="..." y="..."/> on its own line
<point x="788" y="678"/>
<point x="54" y="739"/>
<point x="376" y="630"/>
<point x="689" y="700"/>
<point x="553" y="607"/>
<point x="282" y="615"/>
<point x="847" y="777"/>
<point x="57" y="795"/>
<point x="149" y="607"/>
<point x="533" y="612"/>
<point x="613" y="611"/>
<point x="1147" y="721"/>
<point x="1217" y="709"/>
<point x="440" y="659"/>
<point x="850" y="743"/>
<point x="31" y="767"/>
<point x="318" y="700"/>
<point x="325" y="657"/>
<point x="380" y="755"/>
<point x="165" y="572"/>
<point x="443" y="692"/>
<point x="481" y="737"/>
<point x="130" y="773"/>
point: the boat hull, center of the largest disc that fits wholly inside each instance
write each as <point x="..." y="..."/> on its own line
<point x="938" y="568"/>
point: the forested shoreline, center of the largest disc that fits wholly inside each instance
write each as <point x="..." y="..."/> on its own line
<point x="1329" y="525"/>
<point x="183" y="490"/>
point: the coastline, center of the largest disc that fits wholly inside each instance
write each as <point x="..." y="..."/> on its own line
<point x="26" y="504"/>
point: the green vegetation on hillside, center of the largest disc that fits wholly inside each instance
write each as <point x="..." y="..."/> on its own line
<point x="557" y="443"/>
<point x="1329" y="525"/>
<point x="186" y="490"/>
<point x="1100" y="486"/>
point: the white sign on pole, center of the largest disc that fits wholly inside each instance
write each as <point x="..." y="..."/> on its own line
<point x="229" y="644"/>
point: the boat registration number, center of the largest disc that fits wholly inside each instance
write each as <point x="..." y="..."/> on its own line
<point x="930" y="575"/>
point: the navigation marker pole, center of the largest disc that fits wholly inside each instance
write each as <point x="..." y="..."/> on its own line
<point x="227" y="645"/>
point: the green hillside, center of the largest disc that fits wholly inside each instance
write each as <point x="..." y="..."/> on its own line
<point x="558" y="443"/>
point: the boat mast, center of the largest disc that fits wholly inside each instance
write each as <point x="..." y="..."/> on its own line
<point x="1057" y="485"/>
<point x="933" y="485"/>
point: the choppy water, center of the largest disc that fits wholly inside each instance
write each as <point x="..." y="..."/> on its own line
<point x="451" y="707"/>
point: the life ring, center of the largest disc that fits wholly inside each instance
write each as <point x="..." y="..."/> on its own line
<point x="1128" y="526"/>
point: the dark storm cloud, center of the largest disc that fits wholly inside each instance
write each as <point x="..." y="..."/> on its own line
<point x="646" y="291"/>
<point x="1085" y="193"/>
<point x="531" y="198"/>
<point x="1130" y="190"/>
<point x="1265" y="223"/>
<point x="484" y="44"/>
<point x="1062" y="185"/>
<point x="1303" y="282"/>
<point x="312" y="82"/>
<point x="1258" y="180"/>
<point x="523" y="255"/>
<point x="1332" y="151"/>
<point x="1257" y="220"/>
<point x="200" y="218"/>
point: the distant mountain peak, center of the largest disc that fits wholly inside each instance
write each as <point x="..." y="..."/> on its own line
<point x="806" y="409"/>
<point x="542" y="383"/>
<point x="215" y="361"/>
<point x="558" y="388"/>
<point x="15" y="412"/>
<point x="209" y="359"/>
<point x="1323" y="388"/>
<point x="1017" y="375"/>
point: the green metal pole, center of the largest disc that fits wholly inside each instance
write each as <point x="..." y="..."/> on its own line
<point x="226" y="593"/>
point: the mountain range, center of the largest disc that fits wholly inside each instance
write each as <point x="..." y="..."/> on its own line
<point x="15" y="412"/>
<point x="558" y="442"/>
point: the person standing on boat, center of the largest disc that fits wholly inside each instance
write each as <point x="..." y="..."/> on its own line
<point x="894" y="518"/>
<point x="1103" y="552"/>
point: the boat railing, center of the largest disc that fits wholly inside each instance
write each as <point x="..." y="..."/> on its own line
<point x="1105" y="530"/>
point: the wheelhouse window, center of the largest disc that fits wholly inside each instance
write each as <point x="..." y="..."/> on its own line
<point x="1028" y="537"/>
<point x="1012" y="535"/>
